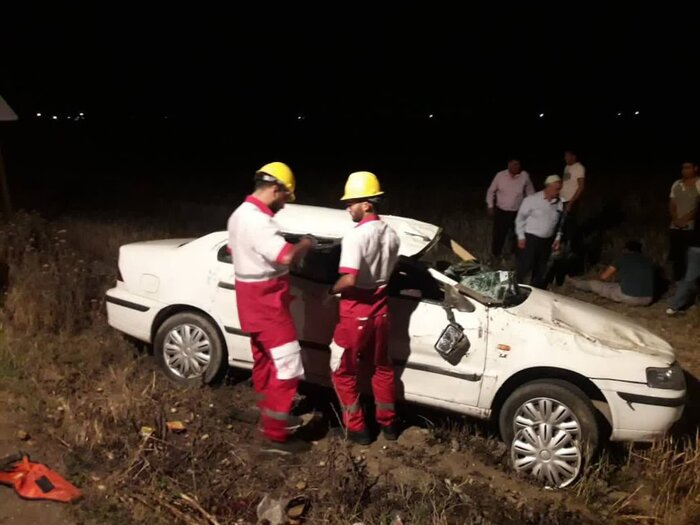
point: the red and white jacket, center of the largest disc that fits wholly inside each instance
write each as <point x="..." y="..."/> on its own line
<point x="369" y="251"/>
<point x="262" y="282"/>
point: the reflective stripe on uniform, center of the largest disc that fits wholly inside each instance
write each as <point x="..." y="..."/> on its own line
<point x="385" y="406"/>
<point x="350" y="409"/>
<point x="279" y="416"/>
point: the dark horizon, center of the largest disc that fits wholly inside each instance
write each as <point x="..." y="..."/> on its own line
<point x="205" y="95"/>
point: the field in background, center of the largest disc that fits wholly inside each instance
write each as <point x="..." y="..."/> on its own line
<point x="85" y="392"/>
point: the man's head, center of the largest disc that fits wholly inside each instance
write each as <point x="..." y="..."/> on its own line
<point x="275" y="185"/>
<point x="633" y="246"/>
<point x="552" y="187"/>
<point x="514" y="166"/>
<point x="689" y="170"/>
<point x="570" y="157"/>
<point x="359" y="209"/>
<point x="362" y="194"/>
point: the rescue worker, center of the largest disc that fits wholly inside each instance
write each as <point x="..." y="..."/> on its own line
<point x="261" y="259"/>
<point x="369" y="254"/>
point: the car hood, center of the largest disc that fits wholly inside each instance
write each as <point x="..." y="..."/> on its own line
<point x="594" y="323"/>
<point x="333" y="223"/>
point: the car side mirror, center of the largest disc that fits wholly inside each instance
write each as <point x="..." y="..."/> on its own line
<point x="454" y="299"/>
<point x="453" y="344"/>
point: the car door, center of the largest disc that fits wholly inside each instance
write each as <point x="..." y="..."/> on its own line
<point x="223" y="293"/>
<point x="418" y="317"/>
<point x="314" y="310"/>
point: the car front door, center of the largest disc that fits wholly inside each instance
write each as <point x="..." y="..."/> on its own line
<point x="224" y="307"/>
<point x="418" y="317"/>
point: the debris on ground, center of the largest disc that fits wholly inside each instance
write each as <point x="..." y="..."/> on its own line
<point x="297" y="508"/>
<point x="271" y="510"/>
<point x="176" y="426"/>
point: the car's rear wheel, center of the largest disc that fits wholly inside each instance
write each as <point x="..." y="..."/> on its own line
<point x="551" y="428"/>
<point x="189" y="349"/>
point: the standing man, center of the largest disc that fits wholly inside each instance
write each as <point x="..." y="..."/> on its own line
<point x="261" y="259"/>
<point x="507" y="190"/>
<point x="538" y="226"/>
<point x="573" y="182"/>
<point x="683" y="204"/>
<point x="369" y="254"/>
<point x="571" y="190"/>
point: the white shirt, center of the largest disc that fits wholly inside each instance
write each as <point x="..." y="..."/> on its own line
<point x="570" y="181"/>
<point x="509" y="190"/>
<point x="370" y="251"/>
<point x="686" y="200"/>
<point x="539" y="216"/>
<point x="256" y="243"/>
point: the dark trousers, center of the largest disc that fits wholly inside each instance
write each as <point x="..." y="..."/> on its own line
<point x="572" y="234"/>
<point x="533" y="260"/>
<point x="679" y="241"/>
<point x="503" y="226"/>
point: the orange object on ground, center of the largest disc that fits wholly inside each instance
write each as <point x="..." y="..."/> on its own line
<point x="36" y="481"/>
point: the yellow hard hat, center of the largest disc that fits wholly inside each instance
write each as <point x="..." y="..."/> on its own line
<point x="280" y="173"/>
<point x="362" y="185"/>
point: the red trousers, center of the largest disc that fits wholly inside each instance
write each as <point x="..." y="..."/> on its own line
<point x="365" y="349"/>
<point x="275" y="396"/>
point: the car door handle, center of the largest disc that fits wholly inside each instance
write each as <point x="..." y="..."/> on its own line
<point x="227" y="286"/>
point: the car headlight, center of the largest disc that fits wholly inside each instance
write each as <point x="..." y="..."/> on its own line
<point x="670" y="378"/>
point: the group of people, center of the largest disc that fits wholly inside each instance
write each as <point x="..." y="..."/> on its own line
<point x="539" y="223"/>
<point x="536" y="221"/>
<point x="261" y="258"/>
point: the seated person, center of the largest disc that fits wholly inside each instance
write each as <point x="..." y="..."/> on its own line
<point x="635" y="285"/>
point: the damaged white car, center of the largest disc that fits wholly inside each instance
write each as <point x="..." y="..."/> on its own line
<point x="557" y="374"/>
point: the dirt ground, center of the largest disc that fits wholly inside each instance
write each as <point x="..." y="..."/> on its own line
<point x="14" y="510"/>
<point x="98" y="415"/>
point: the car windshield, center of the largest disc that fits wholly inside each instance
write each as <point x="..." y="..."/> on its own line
<point x="444" y="254"/>
<point x="492" y="287"/>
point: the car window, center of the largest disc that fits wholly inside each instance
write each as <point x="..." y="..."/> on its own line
<point x="320" y="264"/>
<point x="411" y="279"/>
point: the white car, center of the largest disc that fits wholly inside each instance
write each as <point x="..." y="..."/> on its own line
<point x="557" y="374"/>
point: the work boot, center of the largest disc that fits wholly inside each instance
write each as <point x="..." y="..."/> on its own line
<point x="293" y="423"/>
<point x="361" y="437"/>
<point x="390" y="432"/>
<point x="285" y="448"/>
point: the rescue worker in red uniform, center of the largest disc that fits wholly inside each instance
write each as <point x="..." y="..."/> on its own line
<point x="261" y="259"/>
<point x="360" y="341"/>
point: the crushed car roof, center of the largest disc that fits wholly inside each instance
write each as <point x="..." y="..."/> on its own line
<point x="334" y="223"/>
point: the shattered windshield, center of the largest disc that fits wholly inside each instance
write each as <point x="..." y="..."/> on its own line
<point x="492" y="287"/>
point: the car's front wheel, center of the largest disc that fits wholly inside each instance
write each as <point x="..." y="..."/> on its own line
<point x="551" y="428"/>
<point x="189" y="349"/>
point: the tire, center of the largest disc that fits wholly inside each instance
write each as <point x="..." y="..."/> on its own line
<point x="204" y="360"/>
<point x="551" y="429"/>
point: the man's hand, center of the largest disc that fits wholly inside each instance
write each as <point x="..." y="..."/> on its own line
<point x="490" y="211"/>
<point x="681" y="223"/>
<point x="310" y="240"/>
<point x="556" y="245"/>
<point x="521" y="244"/>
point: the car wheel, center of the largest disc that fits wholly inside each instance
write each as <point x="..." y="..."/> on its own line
<point x="551" y="429"/>
<point x="189" y="349"/>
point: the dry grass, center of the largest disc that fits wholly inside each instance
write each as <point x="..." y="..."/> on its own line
<point x="91" y="392"/>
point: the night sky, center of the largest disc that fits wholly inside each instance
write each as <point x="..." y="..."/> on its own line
<point x="349" y="61"/>
<point x="193" y="99"/>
